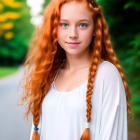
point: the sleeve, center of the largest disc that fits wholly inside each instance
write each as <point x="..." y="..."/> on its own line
<point x="32" y="128"/>
<point x="113" y="119"/>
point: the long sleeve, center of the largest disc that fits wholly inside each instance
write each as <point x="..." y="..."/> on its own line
<point x="114" y="124"/>
<point x="113" y="117"/>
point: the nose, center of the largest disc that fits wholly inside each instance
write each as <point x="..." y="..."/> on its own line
<point x="73" y="32"/>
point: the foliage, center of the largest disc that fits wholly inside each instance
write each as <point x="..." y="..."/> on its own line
<point x="5" y="26"/>
<point x="15" y="31"/>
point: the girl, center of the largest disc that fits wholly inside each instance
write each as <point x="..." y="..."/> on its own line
<point x="76" y="88"/>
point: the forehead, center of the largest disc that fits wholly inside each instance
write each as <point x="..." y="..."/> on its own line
<point x="74" y="11"/>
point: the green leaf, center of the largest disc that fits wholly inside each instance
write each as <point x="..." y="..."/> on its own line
<point x="4" y="51"/>
<point x="136" y="41"/>
<point x="136" y="108"/>
<point x="135" y="98"/>
<point x="129" y="4"/>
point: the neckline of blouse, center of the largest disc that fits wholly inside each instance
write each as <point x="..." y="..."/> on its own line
<point x="64" y="92"/>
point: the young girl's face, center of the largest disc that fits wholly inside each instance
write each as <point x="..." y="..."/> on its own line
<point x="75" y="25"/>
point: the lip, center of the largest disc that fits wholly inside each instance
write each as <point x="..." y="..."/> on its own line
<point x="73" y="44"/>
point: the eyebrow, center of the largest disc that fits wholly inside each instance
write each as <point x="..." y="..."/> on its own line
<point x="79" y="20"/>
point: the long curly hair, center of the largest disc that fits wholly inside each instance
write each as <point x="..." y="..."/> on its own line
<point x="45" y="56"/>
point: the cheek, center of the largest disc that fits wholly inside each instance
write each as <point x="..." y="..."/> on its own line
<point x="86" y="36"/>
<point x="60" y="35"/>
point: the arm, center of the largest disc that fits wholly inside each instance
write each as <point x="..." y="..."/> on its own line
<point x="113" y="124"/>
<point x="113" y="120"/>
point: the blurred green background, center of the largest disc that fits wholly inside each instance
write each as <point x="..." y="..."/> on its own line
<point x="123" y="18"/>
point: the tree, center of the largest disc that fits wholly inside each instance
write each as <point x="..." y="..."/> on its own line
<point x="15" y="31"/>
<point x="6" y="18"/>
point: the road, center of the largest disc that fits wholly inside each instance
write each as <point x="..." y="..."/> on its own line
<point x="12" y="124"/>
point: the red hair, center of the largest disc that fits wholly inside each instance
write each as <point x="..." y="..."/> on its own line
<point x="45" y="57"/>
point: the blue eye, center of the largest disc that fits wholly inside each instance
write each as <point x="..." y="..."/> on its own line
<point x="84" y="24"/>
<point x="64" y="24"/>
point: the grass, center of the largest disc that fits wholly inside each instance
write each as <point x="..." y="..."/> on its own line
<point x="5" y="71"/>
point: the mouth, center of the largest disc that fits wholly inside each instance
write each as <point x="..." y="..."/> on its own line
<point x="73" y="44"/>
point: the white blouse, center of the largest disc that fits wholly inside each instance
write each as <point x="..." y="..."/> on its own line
<point x="63" y="114"/>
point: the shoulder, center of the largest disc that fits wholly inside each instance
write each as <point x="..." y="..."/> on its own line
<point x="109" y="76"/>
<point x="108" y="86"/>
<point x="108" y="71"/>
<point x="113" y="89"/>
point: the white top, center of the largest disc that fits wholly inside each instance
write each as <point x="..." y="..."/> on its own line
<point x="63" y="115"/>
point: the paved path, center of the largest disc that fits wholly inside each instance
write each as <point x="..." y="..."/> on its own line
<point x="12" y="124"/>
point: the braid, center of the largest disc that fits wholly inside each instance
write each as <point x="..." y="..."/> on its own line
<point x="113" y="59"/>
<point x="38" y="98"/>
<point x="93" y="66"/>
<point x="92" y="72"/>
<point x="102" y="48"/>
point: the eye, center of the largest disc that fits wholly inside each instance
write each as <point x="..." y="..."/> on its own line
<point x="63" y="24"/>
<point x="85" y="25"/>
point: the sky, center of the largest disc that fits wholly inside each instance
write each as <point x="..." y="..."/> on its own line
<point x="36" y="8"/>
